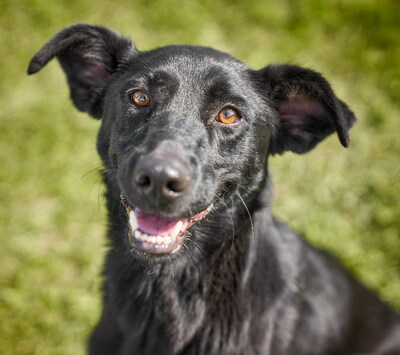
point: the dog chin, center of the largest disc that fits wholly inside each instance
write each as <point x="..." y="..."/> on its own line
<point x="151" y="234"/>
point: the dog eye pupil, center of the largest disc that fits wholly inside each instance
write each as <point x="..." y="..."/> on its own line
<point x="140" y="98"/>
<point x="228" y="116"/>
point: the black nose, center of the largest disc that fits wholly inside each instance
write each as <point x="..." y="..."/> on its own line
<point x="161" y="179"/>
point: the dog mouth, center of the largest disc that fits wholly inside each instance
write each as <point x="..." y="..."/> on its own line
<point x="155" y="234"/>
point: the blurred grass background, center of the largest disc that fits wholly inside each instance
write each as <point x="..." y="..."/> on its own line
<point x="52" y="218"/>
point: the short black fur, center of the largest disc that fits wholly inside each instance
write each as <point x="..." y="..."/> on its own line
<point x="241" y="282"/>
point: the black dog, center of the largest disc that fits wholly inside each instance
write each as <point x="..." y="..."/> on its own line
<point x="197" y="263"/>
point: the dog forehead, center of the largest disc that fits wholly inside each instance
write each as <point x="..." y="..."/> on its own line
<point x="176" y="53"/>
<point x="190" y="63"/>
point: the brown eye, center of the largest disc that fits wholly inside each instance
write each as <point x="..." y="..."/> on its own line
<point x="140" y="98"/>
<point x="228" y="116"/>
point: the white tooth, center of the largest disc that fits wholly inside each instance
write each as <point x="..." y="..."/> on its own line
<point x="167" y="240"/>
<point x="160" y="239"/>
<point x="133" y="220"/>
<point x="177" y="228"/>
<point x="141" y="236"/>
<point x="137" y="234"/>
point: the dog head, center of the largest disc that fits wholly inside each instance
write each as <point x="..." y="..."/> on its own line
<point x="187" y="130"/>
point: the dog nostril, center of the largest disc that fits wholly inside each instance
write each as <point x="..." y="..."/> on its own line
<point x="143" y="180"/>
<point x="176" y="186"/>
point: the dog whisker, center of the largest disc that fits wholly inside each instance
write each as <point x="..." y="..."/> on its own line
<point x="233" y="225"/>
<point x="96" y="169"/>
<point x="190" y="252"/>
<point x="249" y="214"/>
<point x="196" y="244"/>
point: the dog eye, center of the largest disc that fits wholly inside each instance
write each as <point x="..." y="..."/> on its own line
<point x="140" y="98"/>
<point x="228" y="116"/>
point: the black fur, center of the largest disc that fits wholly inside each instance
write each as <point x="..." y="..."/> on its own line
<point x="242" y="283"/>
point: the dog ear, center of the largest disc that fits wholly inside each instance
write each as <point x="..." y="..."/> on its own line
<point x="89" y="55"/>
<point x="308" y="109"/>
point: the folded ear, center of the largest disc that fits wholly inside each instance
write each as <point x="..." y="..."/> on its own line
<point x="308" y="109"/>
<point x="89" y="55"/>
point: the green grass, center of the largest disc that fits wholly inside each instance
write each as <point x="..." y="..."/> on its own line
<point x="52" y="216"/>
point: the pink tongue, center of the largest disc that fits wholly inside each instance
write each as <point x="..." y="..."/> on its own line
<point x="156" y="225"/>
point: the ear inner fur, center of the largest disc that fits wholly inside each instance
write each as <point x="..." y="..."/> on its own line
<point x="88" y="55"/>
<point x="307" y="107"/>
